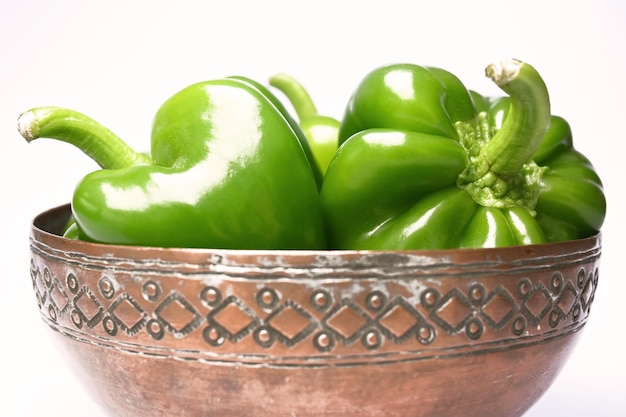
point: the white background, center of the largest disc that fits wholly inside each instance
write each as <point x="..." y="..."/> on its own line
<point x="118" y="60"/>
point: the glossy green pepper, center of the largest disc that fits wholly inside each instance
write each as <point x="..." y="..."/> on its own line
<point x="300" y="134"/>
<point x="226" y="170"/>
<point x="426" y="164"/>
<point x="321" y="132"/>
<point x="571" y="202"/>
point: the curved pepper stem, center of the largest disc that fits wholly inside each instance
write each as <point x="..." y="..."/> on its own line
<point x="322" y="132"/>
<point x="296" y="93"/>
<point x="528" y="119"/>
<point x="500" y="171"/>
<point x="95" y="140"/>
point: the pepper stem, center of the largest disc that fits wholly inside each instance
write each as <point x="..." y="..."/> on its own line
<point x="296" y="93"/>
<point x="525" y="126"/>
<point x="95" y="140"/>
<point x="500" y="171"/>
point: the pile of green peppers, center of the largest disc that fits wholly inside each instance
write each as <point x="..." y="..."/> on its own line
<point x="417" y="161"/>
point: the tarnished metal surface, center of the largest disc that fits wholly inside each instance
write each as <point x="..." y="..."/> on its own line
<point x="162" y="332"/>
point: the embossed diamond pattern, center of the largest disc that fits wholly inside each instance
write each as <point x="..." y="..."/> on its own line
<point x="234" y="317"/>
<point x="498" y="308"/>
<point x="59" y="298"/>
<point x="128" y="314"/>
<point x="291" y="322"/>
<point x="587" y="292"/>
<point x="566" y="301"/>
<point x="399" y="319"/>
<point x="326" y="322"/>
<point x="537" y="305"/>
<point x="41" y="292"/>
<point x="347" y="321"/>
<point x="178" y="315"/>
<point x="453" y="311"/>
<point x="88" y="308"/>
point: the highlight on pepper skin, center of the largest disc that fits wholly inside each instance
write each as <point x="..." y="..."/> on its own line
<point x="417" y="161"/>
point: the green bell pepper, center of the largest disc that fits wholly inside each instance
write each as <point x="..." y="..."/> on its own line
<point x="227" y="170"/>
<point x="321" y="132"/>
<point x="424" y="163"/>
<point x="571" y="203"/>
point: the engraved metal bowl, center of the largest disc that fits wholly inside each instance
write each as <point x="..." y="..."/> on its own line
<point x="198" y="333"/>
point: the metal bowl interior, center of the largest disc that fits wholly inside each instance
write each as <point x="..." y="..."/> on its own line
<point x="195" y="332"/>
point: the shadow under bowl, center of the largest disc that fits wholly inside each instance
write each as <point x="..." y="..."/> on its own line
<point x="197" y="333"/>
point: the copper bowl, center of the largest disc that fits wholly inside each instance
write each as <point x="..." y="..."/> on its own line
<point x="198" y="333"/>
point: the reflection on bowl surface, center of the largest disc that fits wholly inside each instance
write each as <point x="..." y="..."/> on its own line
<point x="191" y="332"/>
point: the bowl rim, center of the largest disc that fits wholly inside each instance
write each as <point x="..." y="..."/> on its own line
<point x="429" y="278"/>
<point x="46" y="228"/>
